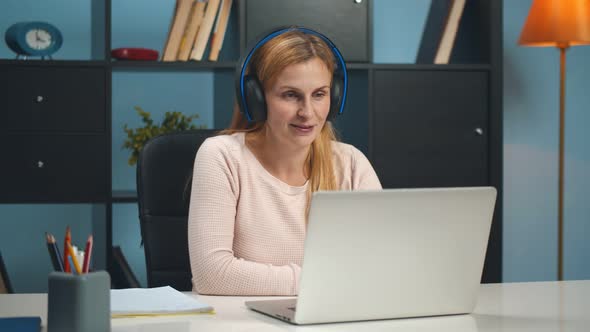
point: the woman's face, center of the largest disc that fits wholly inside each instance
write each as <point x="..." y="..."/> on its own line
<point x="298" y="103"/>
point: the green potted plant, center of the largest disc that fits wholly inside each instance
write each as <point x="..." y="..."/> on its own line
<point x="172" y="122"/>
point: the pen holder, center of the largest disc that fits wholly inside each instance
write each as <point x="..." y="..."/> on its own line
<point x="79" y="302"/>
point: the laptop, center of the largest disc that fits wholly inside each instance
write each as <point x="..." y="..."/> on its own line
<point x="392" y="253"/>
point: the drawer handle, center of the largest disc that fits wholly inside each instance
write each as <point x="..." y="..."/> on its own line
<point x="40" y="99"/>
<point x="479" y="131"/>
<point x="40" y="164"/>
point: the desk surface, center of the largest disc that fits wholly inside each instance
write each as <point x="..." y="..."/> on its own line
<point x="535" y="306"/>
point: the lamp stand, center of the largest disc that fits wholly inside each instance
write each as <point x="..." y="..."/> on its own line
<point x="562" y="50"/>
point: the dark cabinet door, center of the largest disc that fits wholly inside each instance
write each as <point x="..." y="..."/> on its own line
<point x="53" y="99"/>
<point x="16" y="168"/>
<point x="430" y="128"/>
<point x="53" y="168"/>
<point x="345" y="22"/>
<point x="17" y="96"/>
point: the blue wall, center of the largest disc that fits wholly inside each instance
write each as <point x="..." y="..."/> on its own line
<point x="397" y="29"/>
<point x="530" y="113"/>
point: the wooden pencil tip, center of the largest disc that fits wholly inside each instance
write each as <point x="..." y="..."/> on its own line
<point x="50" y="238"/>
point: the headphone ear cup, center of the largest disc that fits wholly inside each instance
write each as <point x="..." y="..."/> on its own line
<point x="336" y="92"/>
<point x="255" y="101"/>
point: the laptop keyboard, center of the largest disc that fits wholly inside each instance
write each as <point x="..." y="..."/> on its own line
<point x="292" y="308"/>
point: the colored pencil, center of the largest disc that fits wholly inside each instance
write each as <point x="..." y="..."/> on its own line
<point x="59" y="256"/>
<point x="54" y="253"/>
<point x="67" y="241"/>
<point x="71" y="263"/>
<point x="87" y="253"/>
<point x="74" y="259"/>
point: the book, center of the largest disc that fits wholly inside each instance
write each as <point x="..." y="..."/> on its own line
<point x="433" y="29"/>
<point x="188" y="39"/>
<point x="181" y="14"/>
<point x="154" y="302"/>
<point x="204" y="30"/>
<point x="20" y="324"/>
<point x="449" y="35"/>
<point x="219" y="30"/>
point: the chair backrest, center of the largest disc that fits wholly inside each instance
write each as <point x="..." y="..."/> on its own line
<point x="164" y="174"/>
<point x="5" y="285"/>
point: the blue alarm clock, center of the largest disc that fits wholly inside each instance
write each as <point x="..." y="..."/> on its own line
<point x="33" y="39"/>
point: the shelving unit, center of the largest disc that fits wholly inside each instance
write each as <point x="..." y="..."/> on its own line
<point x="368" y="131"/>
<point x="157" y="65"/>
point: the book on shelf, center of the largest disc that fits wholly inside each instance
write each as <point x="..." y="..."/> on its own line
<point x="219" y="30"/>
<point x="440" y="31"/>
<point x="449" y="35"/>
<point x="192" y="27"/>
<point x="181" y="15"/>
<point x="204" y="30"/>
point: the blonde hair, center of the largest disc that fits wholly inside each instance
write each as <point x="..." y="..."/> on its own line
<point x="267" y="63"/>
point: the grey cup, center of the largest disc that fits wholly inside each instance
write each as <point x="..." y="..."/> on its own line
<point x="79" y="303"/>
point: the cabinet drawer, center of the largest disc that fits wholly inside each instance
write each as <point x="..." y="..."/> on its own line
<point x="53" y="99"/>
<point x="332" y="18"/>
<point x="53" y="168"/>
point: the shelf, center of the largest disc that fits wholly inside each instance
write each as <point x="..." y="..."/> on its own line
<point x="53" y="63"/>
<point x="124" y="196"/>
<point x="173" y="66"/>
<point x="43" y="132"/>
<point x="413" y="66"/>
<point x="358" y="65"/>
<point x="223" y="65"/>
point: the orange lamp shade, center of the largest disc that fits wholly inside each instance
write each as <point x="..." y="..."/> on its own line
<point x="559" y="23"/>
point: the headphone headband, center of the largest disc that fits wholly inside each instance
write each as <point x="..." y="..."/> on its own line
<point x="340" y="69"/>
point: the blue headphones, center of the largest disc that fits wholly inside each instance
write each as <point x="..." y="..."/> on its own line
<point x="250" y="92"/>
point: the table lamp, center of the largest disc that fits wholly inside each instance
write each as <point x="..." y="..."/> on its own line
<point x="561" y="24"/>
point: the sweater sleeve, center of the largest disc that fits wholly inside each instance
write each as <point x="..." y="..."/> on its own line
<point x="212" y="215"/>
<point x="363" y="174"/>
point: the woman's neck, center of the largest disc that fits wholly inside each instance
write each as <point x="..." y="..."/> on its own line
<point x="288" y="165"/>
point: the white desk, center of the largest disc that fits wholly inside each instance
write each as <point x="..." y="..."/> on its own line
<point x="537" y="306"/>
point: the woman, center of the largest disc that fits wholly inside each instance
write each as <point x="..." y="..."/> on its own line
<point x="252" y="184"/>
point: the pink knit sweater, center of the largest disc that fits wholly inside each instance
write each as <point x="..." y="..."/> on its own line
<point x="246" y="228"/>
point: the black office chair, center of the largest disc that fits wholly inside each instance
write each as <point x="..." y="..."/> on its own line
<point x="5" y="285"/>
<point x="164" y="173"/>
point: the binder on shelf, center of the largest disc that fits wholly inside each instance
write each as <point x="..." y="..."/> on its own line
<point x="449" y="35"/>
<point x="219" y="29"/>
<point x="204" y="30"/>
<point x="192" y="27"/>
<point x="181" y="14"/>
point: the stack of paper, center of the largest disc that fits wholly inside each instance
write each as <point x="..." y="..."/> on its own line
<point x="154" y="301"/>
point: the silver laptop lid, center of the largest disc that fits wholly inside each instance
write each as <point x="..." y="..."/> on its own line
<point x="394" y="253"/>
